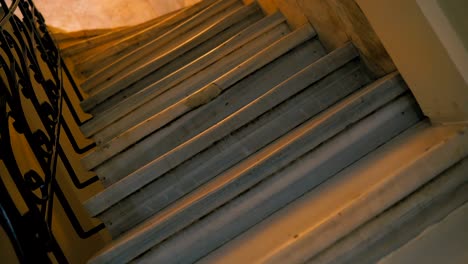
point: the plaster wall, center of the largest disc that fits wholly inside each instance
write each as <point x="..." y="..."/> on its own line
<point x="411" y="32"/>
<point x="455" y="11"/>
<point x="78" y="15"/>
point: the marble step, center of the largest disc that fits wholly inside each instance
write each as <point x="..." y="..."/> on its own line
<point x="165" y="42"/>
<point x="186" y="65"/>
<point x="159" y="96"/>
<point x="67" y="39"/>
<point x="284" y="186"/>
<point x="129" y="45"/>
<point x="292" y="109"/>
<point x="162" y="226"/>
<point x="154" y="27"/>
<point x="154" y="70"/>
<point x="403" y="222"/>
<point x="159" y="75"/>
<point x="263" y="104"/>
<point x="198" y="98"/>
<point x="307" y="226"/>
<point x="89" y="46"/>
<point x="202" y="118"/>
<point x="167" y="22"/>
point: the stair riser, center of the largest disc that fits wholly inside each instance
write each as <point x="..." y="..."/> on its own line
<point x="241" y="16"/>
<point x="136" y="109"/>
<point x="141" y="38"/>
<point x="401" y="223"/>
<point x="295" y="145"/>
<point x="202" y="96"/>
<point x="351" y="198"/>
<point x="172" y="67"/>
<point x="76" y="51"/>
<point x="451" y="146"/>
<point x="192" y="124"/>
<point x="143" y="176"/>
<point x="284" y="187"/>
<point x="234" y="148"/>
<point x="192" y="77"/>
<point x="204" y="61"/>
<point x="98" y="45"/>
<point x="120" y="62"/>
<point x="200" y="37"/>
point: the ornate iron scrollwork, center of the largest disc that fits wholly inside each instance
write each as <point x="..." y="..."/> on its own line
<point x="31" y="102"/>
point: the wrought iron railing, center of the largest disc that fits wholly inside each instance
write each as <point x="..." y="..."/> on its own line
<point x="32" y="97"/>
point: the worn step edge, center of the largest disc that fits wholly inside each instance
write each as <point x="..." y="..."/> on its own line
<point x="84" y="46"/>
<point x="241" y="39"/>
<point x="205" y="35"/>
<point x="311" y="75"/>
<point x="139" y="73"/>
<point x="182" y="61"/>
<point x="178" y="76"/>
<point x="425" y="166"/>
<point x="293" y="221"/>
<point x="133" y="240"/>
<point x="144" y="35"/>
<point x="132" y="58"/>
<point x="177" y="71"/>
<point x="404" y="221"/>
<point x="285" y="186"/>
<point x="115" y="122"/>
<point x="166" y="22"/>
<point x="284" y="111"/>
<point x="96" y="45"/>
<point x="65" y="36"/>
<point x="143" y="52"/>
<point x="200" y="97"/>
<point x="192" y="84"/>
<point x="391" y="85"/>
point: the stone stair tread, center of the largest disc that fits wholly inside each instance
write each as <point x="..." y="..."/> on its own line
<point x="84" y="48"/>
<point x="218" y="127"/>
<point x="198" y="98"/>
<point x="155" y="98"/>
<point x="309" y="75"/>
<point x="172" y="19"/>
<point x="237" y="146"/>
<point x="386" y="94"/>
<point x="197" y="65"/>
<point x="174" y="71"/>
<point x="333" y="209"/>
<point x="197" y="37"/>
<point x="162" y="24"/>
<point x="162" y="44"/>
<point x="283" y="187"/>
<point x="137" y="74"/>
<point x="143" y="231"/>
<point x="401" y="223"/>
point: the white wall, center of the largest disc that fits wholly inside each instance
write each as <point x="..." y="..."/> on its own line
<point x="421" y="56"/>
<point x="74" y="15"/>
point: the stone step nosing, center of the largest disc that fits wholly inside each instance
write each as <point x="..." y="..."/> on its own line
<point x="123" y="62"/>
<point x="120" y="84"/>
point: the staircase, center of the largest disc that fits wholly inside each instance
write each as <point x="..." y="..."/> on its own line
<point x="226" y="136"/>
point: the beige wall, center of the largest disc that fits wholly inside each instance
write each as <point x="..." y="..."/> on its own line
<point x="456" y="12"/>
<point x="336" y="23"/>
<point x="421" y="57"/>
<point x="424" y="40"/>
<point x="74" y="15"/>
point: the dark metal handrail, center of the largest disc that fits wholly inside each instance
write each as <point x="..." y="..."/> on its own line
<point x="10" y="11"/>
<point x="31" y="100"/>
